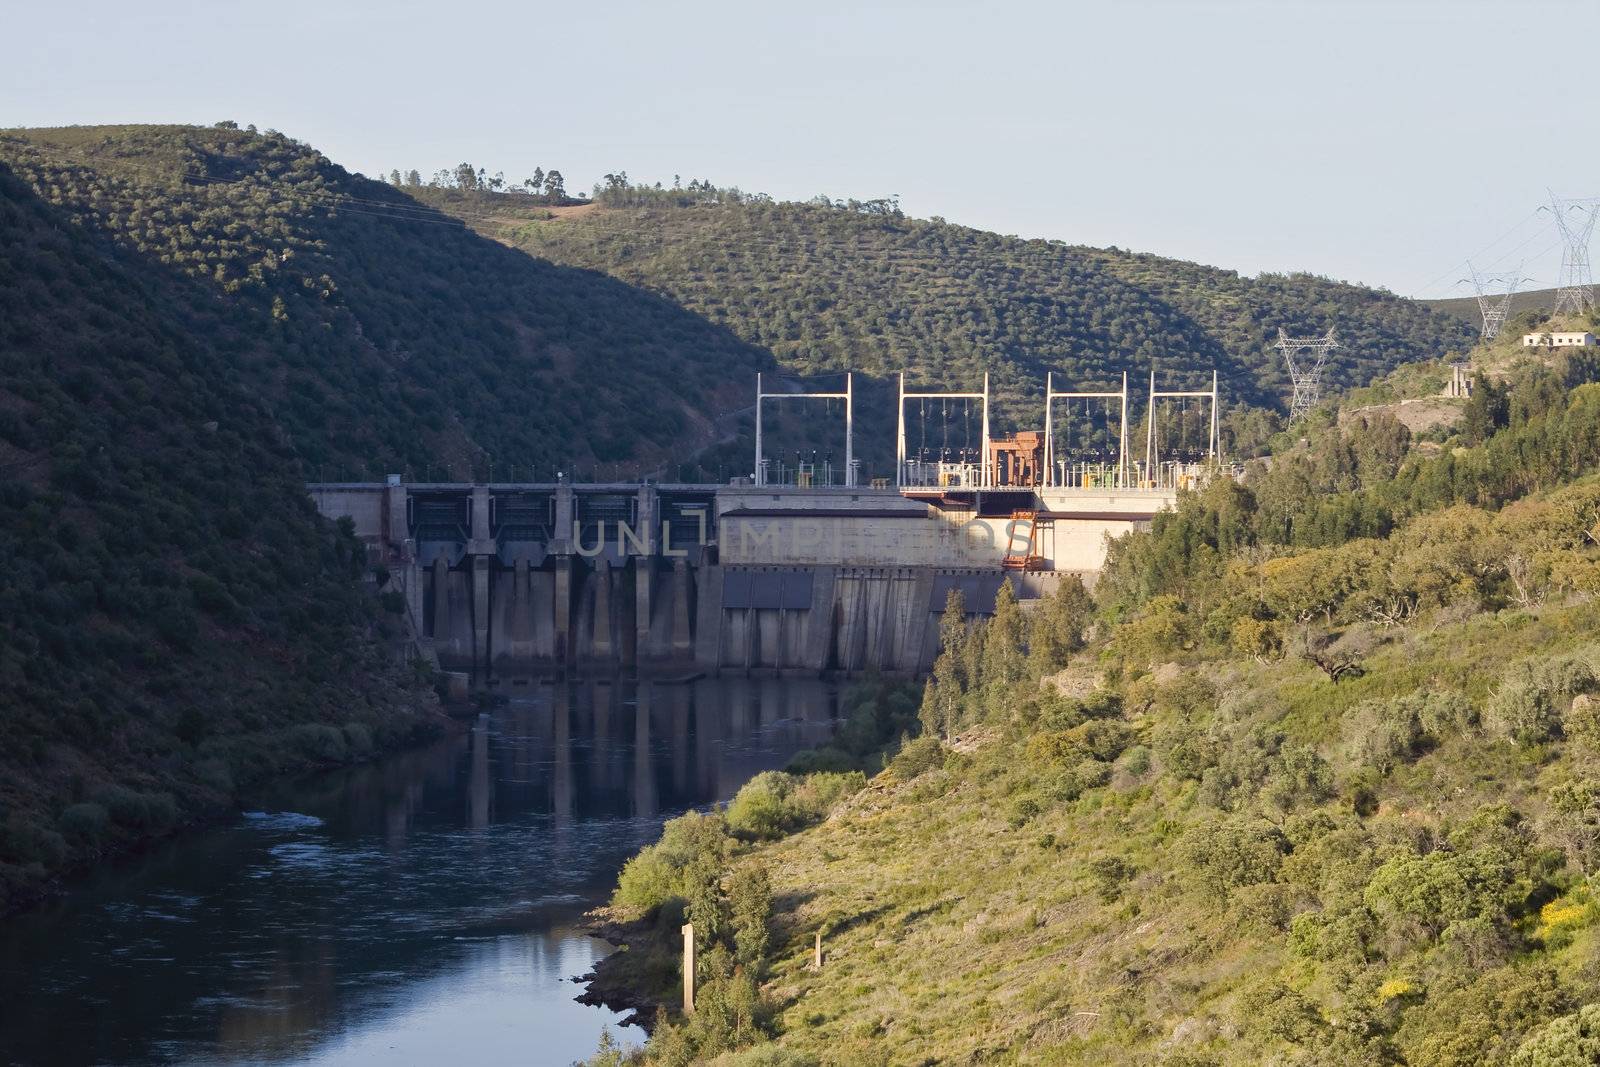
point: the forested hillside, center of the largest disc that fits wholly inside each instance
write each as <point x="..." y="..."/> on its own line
<point x="382" y="335"/>
<point x="1312" y="778"/>
<point x="859" y="286"/>
<point x="175" y="619"/>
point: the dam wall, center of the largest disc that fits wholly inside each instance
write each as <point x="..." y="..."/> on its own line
<point x="519" y="580"/>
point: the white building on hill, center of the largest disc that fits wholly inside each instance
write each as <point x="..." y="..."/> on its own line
<point x="1558" y="340"/>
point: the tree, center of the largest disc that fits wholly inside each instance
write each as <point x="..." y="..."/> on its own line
<point x="466" y="176"/>
<point x="941" y="697"/>
<point x="555" y="188"/>
<point x="394" y="177"/>
<point x="1005" y="639"/>
<point x="1058" y="626"/>
<point x="413" y="178"/>
<point x="750" y="905"/>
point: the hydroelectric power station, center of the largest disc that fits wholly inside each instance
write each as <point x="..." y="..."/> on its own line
<point x="791" y="569"/>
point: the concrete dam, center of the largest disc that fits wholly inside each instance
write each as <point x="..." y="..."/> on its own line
<point x="518" y="580"/>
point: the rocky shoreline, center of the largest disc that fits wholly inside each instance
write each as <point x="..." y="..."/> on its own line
<point x="613" y="984"/>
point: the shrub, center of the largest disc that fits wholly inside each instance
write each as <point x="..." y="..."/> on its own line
<point x="1381" y="734"/>
<point x="1184" y="748"/>
<point x="358" y="738"/>
<point x="1535" y="694"/>
<point x="1429" y="893"/>
<point x="138" y="811"/>
<point x="647" y="881"/>
<point x="917" y="757"/>
<point x="1255" y="638"/>
<point x="1135" y="761"/>
<point x="1570" y="1041"/>
<point x="1220" y="857"/>
<point x="21" y="841"/>
<point x="85" y="823"/>
<point x="761" y="808"/>
<point x="318" y="741"/>
<point x="660" y="872"/>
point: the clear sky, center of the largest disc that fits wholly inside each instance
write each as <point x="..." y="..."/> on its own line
<point x="1380" y="142"/>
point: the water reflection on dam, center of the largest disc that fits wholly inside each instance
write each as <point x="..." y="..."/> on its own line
<point x="420" y="909"/>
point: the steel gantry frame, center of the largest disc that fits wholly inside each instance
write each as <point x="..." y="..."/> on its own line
<point x="1051" y="396"/>
<point x="1495" y="294"/>
<point x="848" y="396"/>
<point x="1305" y="378"/>
<point x="1150" y="457"/>
<point x="1575" y="296"/>
<point x="900" y="428"/>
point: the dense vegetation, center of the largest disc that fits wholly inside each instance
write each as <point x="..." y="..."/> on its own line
<point x="175" y="619"/>
<point x="1313" y="777"/>
<point x="382" y="335"/>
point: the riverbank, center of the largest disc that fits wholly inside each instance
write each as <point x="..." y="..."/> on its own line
<point x="627" y="978"/>
<point x="109" y="818"/>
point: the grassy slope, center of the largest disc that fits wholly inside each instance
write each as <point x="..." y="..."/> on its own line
<point x="971" y="939"/>
<point x="175" y="619"/>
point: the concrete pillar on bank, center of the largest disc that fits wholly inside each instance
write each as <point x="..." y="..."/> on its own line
<point x="643" y="576"/>
<point x="708" y="612"/>
<point x="561" y="539"/>
<point x="819" y="624"/>
<point x="441" y="598"/>
<point x="681" y="636"/>
<point x="480" y="615"/>
<point x="522" y="604"/>
<point x="648" y="523"/>
<point x="563" y="607"/>
<point x="601" y="579"/>
<point x="393" y="531"/>
<point x="688" y="968"/>
<point x="481" y="547"/>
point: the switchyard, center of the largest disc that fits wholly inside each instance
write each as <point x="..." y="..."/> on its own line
<point x="786" y="570"/>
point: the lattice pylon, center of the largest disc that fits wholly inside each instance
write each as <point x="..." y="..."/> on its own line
<point x="1575" y="221"/>
<point x="1305" y="371"/>
<point x="1495" y="292"/>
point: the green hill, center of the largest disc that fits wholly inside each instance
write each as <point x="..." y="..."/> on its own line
<point x="832" y="288"/>
<point x="1313" y="778"/>
<point x="175" y="619"/>
<point x="382" y="335"/>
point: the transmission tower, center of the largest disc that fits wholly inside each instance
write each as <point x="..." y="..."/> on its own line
<point x="1575" y="221"/>
<point x="1494" y="297"/>
<point x="1305" y="357"/>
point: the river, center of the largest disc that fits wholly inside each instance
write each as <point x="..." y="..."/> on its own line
<point x="423" y="909"/>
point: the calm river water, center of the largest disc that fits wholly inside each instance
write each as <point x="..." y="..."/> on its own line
<point x="421" y="910"/>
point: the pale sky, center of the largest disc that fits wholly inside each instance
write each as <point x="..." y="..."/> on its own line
<point x="1379" y="142"/>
